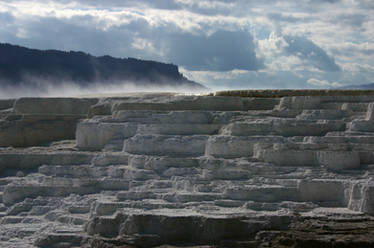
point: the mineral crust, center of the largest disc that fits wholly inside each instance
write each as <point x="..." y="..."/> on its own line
<point x="169" y="170"/>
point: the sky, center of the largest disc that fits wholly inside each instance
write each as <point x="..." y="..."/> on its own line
<point x="223" y="44"/>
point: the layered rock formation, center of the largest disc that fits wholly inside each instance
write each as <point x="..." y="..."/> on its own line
<point x="34" y="121"/>
<point x="164" y="169"/>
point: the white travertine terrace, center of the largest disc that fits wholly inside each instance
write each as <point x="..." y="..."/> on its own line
<point x="156" y="169"/>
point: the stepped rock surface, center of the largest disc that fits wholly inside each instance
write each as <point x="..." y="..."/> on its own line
<point x="169" y="170"/>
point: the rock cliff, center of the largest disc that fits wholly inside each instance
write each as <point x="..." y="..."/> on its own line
<point x="151" y="170"/>
<point x="21" y="68"/>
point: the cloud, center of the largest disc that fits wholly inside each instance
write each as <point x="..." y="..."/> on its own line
<point x="6" y="17"/>
<point x="324" y="1"/>
<point x="279" y="17"/>
<point x="6" y="20"/>
<point x="273" y="44"/>
<point x="350" y="52"/>
<point x="355" y="20"/>
<point x="366" y="4"/>
<point x="307" y="50"/>
<point x="72" y="35"/>
<point x="293" y="53"/>
<point x="159" y="4"/>
<point x="221" y="51"/>
<point x="322" y="83"/>
<point x="249" y="80"/>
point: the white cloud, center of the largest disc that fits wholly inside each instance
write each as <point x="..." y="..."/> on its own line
<point x="208" y="76"/>
<point x="294" y="53"/>
<point x="272" y="46"/>
<point x="322" y="83"/>
<point x="147" y="46"/>
<point x="204" y="4"/>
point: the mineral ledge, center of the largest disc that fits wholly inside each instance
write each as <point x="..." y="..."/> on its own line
<point x="170" y="170"/>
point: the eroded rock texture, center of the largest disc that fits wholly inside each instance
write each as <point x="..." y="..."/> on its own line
<point x="166" y="170"/>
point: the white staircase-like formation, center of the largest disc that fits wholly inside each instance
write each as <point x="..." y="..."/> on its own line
<point x="173" y="169"/>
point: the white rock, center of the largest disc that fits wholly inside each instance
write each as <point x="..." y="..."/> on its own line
<point x="300" y="102"/>
<point x="339" y="160"/>
<point x="264" y="193"/>
<point x="370" y="112"/>
<point x="234" y="147"/>
<point x="286" y="157"/>
<point x="166" y="145"/>
<point x="49" y="106"/>
<point x="320" y="190"/>
<point x="361" y="125"/>
<point x="95" y="135"/>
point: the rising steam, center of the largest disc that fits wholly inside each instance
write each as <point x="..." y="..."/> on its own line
<point x="70" y="89"/>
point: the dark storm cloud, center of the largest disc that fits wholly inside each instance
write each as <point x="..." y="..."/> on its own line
<point x="306" y="50"/>
<point x="221" y="51"/>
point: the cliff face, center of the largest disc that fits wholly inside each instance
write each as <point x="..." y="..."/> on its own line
<point x="20" y="65"/>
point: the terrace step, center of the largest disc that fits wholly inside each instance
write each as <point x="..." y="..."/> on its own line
<point x="171" y="145"/>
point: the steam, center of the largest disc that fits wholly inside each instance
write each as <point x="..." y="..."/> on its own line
<point x="46" y="88"/>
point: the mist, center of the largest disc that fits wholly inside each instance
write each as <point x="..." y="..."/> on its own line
<point x="97" y="89"/>
<point x="26" y="72"/>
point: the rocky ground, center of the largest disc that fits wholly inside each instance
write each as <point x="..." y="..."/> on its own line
<point x="167" y="170"/>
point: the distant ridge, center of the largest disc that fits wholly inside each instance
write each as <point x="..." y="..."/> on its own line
<point x="26" y="67"/>
<point x="270" y="93"/>
<point x="361" y="87"/>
